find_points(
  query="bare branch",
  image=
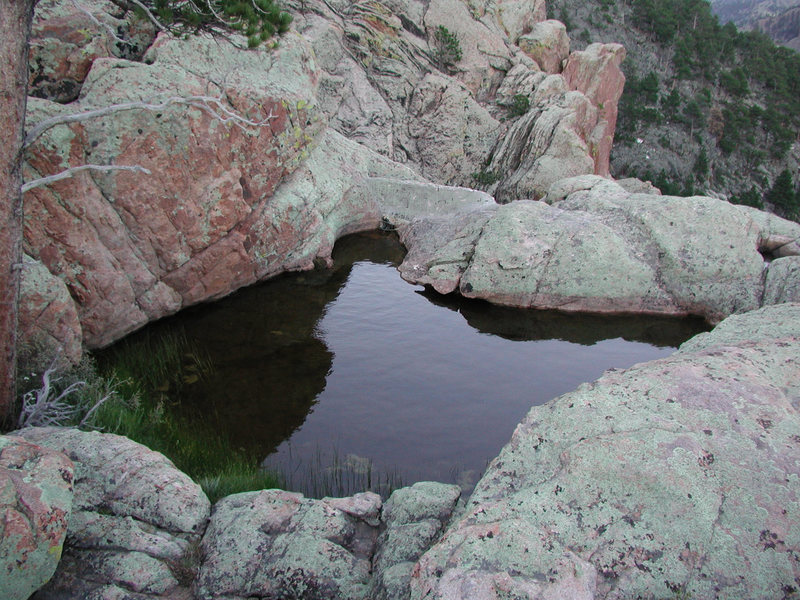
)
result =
(99, 23)
(150, 15)
(213, 12)
(74, 170)
(209, 104)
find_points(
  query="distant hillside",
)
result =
(779, 19)
(784, 28)
(706, 108)
(743, 13)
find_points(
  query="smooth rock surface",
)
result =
(680, 476)
(48, 318)
(35, 503)
(599, 248)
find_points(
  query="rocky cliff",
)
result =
(697, 88)
(354, 90)
(677, 477)
(784, 27)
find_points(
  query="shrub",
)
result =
(782, 195)
(258, 19)
(519, 105)
(750, 197)
(133, 396)
(485, 177)
(446, 48)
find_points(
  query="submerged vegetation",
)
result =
(133, 393)
(134, 390)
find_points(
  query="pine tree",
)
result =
(258, 19)
(782, 195)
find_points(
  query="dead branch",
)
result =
(74, 170)
(150, 15)
(208, 104)
(99, 23)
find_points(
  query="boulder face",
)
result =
(35, 504)
(602, 249)
(675, 477)
(211, 217)
(548, 44)
(277, 544)
(184, 233)
(67, 37)
(136, 520)
(596, 73)
(48, 318)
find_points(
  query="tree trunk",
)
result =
(15, 27)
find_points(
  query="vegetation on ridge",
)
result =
(259, 20)
(705, 106)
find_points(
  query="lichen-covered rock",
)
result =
(451, 132)
(413, 517)
(783, 281)
(602, 249)
(320, 202)
(67, 37)
(532, 255)
(547, 144)
(184, 233)
(211, 216)
(278, 544)
(485, 51)
(548, 44)
(675, 477)
(35, 503)
(136, 519)
(48, 319)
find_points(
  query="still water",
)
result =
(353, 369)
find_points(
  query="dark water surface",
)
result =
(353, 366)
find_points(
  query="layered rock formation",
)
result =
(226, 205)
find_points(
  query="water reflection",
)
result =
(353, 367)
(522, 324)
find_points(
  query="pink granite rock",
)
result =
(35, 503)
(67, 37)
(134, 247)
(596, 73)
